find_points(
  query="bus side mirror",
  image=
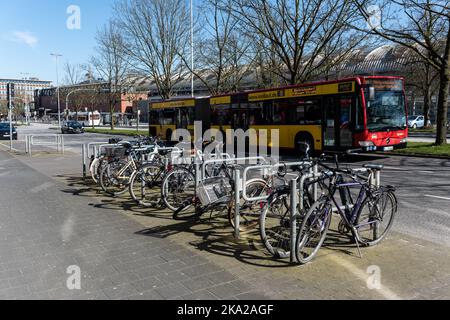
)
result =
(372, 94)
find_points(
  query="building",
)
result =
(24, 88)
(87, 96)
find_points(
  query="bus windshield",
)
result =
(386, 112)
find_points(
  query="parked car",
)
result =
(72, 127)
(415, 122)
(5, 131)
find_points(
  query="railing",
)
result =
(33, 140)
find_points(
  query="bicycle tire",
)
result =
(249, 211)
(110, 184)
(148, 194)
(177, 186)
(318, 219)
(388, 201)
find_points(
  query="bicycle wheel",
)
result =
(313, 230)
(113, 179)
(275, 224)
(250, 211)
(145, 185)
(94, 169)
(178, 186)
(376, 217)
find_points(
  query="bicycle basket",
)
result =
(115, 152)
(214, 190)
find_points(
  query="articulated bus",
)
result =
(360, 112)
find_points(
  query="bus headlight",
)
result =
(404, 141)
(366, 144)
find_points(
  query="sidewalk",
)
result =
(129, 252)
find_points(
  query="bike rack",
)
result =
(30, 142)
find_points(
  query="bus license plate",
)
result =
(388, 148)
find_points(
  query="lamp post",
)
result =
(57, 55)
(26, 100)
(192, 48)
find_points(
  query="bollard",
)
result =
(293, 215)
(237, 204)
(83, 155)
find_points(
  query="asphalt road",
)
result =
(423, 186)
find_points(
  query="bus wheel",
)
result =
(169, 135)
(302, 138)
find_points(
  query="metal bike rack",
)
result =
(86, 153)
(30, 141)
(229, 160)
(272, 169)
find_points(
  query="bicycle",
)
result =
(368, 219)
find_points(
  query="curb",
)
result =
(414, 155)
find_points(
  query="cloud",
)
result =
(24, 37)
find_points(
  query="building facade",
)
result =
(24, 88)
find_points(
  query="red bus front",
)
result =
(385, 114)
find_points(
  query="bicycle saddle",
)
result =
(374, 166)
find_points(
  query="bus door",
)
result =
(338, 122)
(331, 124)
(344, 107)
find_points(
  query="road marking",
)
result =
(436, 197)
(395, 168)
(8, 147)
(42, 187)
(427, 172)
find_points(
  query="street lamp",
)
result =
(57, 55)
(192, 48)
(26, 100)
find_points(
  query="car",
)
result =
(72, 127)
(5, 131)
(415, 122)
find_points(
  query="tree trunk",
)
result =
(441, 133)
(427, 105)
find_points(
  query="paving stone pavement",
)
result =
(50, 220)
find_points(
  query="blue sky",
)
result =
(30, 30)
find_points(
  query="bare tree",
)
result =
(303, 35)
(156, 33)
(3, 109)
(426, 31)
(74, 74)
(422, 76)
(223, 53)
(112, 64)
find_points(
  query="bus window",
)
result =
(256, 114)
(281, 112)
(168, 117)
(308, 112)
(154, 117)
(221, 115)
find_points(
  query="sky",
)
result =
(32, 29)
